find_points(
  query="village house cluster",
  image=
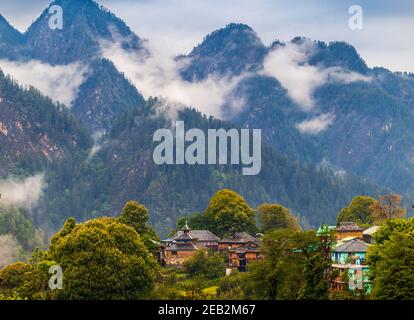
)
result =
(242, 247)
(347, 252)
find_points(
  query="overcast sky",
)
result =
(385, 40)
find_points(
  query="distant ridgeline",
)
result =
(369, 140)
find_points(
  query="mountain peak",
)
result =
(8, 34)
(339, 54)
(85, 22)
(231, 50)
(226, 38)
(10, 40)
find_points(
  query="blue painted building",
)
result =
(348, 258)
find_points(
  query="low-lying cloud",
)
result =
(316, 124)
(60, 83)
(288, 64)
(8, 250)
(158, 74)
(21, 193)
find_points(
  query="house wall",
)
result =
(344, 234)
(225, 245)
(342, 257)
(209, 244)
(179, 258)
(235, 260)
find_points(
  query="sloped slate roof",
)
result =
(248, 247)
(201, 235)
(245, 249)
(354, 245)
(349, 226)
(185, 247)
(240, 237)
(184, 236)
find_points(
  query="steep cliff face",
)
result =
(104, 95)
(33, 129)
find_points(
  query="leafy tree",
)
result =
(276, 216)
(388, 207)
(197, 221)
(293, 267)
(358, 211)
(12, 276)
(14, 296)
(315, 285)
(136, 216)
(103, 259)
(205, 264)
(391, 260)
(27, 281)
(14, 222)
(234, 287)
(229, 213)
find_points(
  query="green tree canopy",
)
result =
(293, 267)
(196, 221)
(276, 216)
(358, 211)
(136, 215)
(103, 259)
(391, 260)
(27, 281)
(229, 213)
(204, 264)
(12, 276)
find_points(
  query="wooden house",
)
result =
(348, 229)
(182, 247)
(242, 248)
(237, 240)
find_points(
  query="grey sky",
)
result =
(386, 40)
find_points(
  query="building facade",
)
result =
(242, 248)
(348, 262)
(179, 249)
